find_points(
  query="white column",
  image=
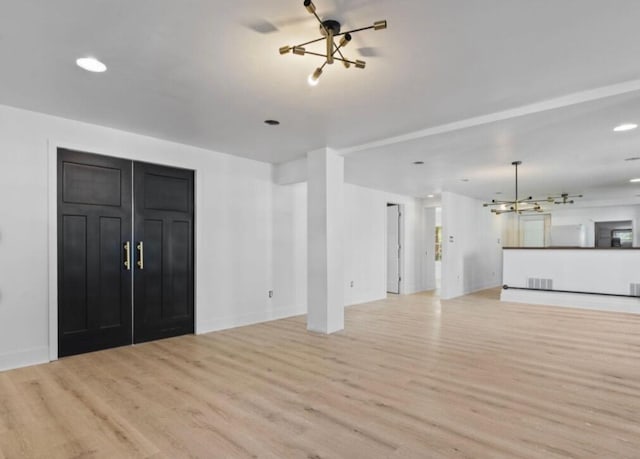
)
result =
(325, 203)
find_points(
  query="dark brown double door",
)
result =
(125, 252)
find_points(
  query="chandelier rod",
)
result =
(355, 30)
(336, 35)
(516, 163)
(310, 42)
(320, 21)
(325, 56)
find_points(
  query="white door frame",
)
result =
(401, 239)
(52, 187)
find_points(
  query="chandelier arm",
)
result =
(302, 45)
(497, 203)
(354, 31)
(321, 23)
(325, 56)
(311, 42)
(338, 51)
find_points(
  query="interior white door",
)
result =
(393, 249)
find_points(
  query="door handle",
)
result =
(140, 248)
(127, 255)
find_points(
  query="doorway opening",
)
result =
(438, 249)
(614, 234)
(394, 248)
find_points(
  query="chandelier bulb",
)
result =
(285, 49)
(299, 50)
(314, 78)
(360, 64)
(380, 25)
(346, 38)
(311, 8)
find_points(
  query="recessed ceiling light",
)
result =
(430, 196)
(635, 180)
(633, 158)
(417, 163)
(272, 122)
(91, 64)
(625, 127)
(464, 180)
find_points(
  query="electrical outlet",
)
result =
(270, 293)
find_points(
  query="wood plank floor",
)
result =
(409, 377)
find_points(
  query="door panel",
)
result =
(110, 269)
(94, 222)
(74, 274)
(163, 285)
(92, 185)
(180, 259)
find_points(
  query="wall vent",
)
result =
(536, 283)
(634, 289)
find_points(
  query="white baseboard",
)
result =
(24, 358)
(225, 323)
(573, 300)
(368, 296)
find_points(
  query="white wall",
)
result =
(290, 247)
(472, 249)
(587, 216)
(364, 245)
(250, 233)
(233, 227)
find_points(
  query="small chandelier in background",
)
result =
(330, 29)
(564, 198)
(526, 205)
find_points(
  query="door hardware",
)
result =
(140, 248)
(127, 255)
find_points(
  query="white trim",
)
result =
(52, 150)
(228, 322)
(573, 300)
(24, 358)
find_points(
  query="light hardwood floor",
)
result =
(409, 377)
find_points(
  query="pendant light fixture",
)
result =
(519, 206)
(564, 198)
(330, 31)
(529, 204)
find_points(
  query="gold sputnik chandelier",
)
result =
(528, 204)
(330, 30)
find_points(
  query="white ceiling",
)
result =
(199, 72)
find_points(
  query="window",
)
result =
(622, 238)
(438, 243)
